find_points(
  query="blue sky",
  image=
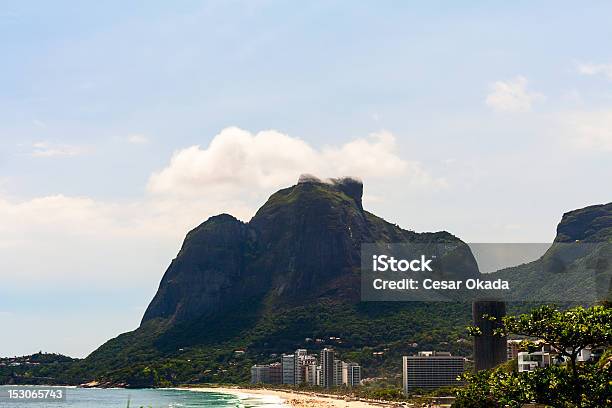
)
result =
(486, 120)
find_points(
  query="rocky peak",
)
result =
(303, 244)
(590, 224)
(351, 186)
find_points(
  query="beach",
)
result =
(298, 398)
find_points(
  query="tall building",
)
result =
(319, 376)
(337, 372)
(260, 374)
(431, 370)
(288, 365)
(303, 368)
(345, 373)
(327, 367)
(302, 362)
(276, 373)
(351, 374)
(489, 349)
(310, 374)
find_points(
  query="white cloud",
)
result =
(46, 149)
(74, 241)
(237, 159)
(595, 69)
(137, 139)
(512, 96)
(591, 130)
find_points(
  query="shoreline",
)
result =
(291, 398)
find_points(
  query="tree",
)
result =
(568, 332)
(566, 385)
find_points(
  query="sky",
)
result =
(125, 125)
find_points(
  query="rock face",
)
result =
(578, 265)
(589, 224)
(303, 243)
(290, 275)
(208, 272)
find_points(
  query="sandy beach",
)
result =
(298, 399)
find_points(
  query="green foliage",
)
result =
(553, 386)
(363, 329)
(39, 368)
(386, 394)
(570, 385)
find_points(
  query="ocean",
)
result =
(146, 398)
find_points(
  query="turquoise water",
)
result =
(159, 398)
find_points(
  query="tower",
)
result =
(489, 350)
(327, 367)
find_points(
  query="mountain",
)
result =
(268, 286)
(590, 224)
(303, 244)
(578, 265)
(240, 293)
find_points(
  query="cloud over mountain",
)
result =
(237, 159)
(235, 173)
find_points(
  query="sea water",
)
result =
(153, 398)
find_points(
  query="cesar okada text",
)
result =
(385, 263)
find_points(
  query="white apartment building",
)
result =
(351, 374)
(303, 361)
(531, 361)
(430, 369)
(310, 374)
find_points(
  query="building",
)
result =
(337, 372)
(531, 361)
(260, 374)
(310, 374)
(351, 374)
(490, 350)
(429, 370)
(288, 367)
(301, 364)
(589, 354)
(345, 373)
(512, 349)
(303, 368)
(276, 373)
(327, 368)
(319, 376)
(547, 355)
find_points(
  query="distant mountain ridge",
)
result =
(589, 224)
(578, 265)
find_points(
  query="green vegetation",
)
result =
(244, 293)
(287, 279)
(39, 368)
(375, 335)
(571, 384)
